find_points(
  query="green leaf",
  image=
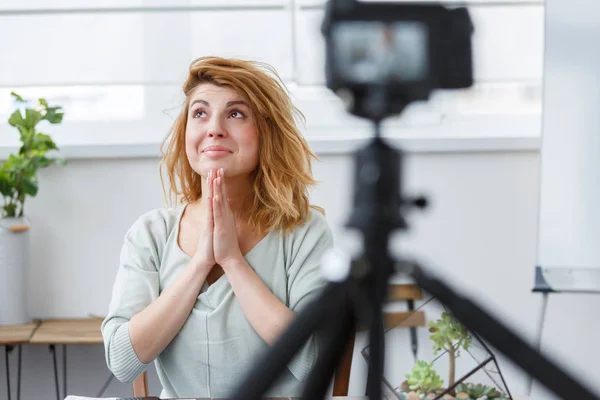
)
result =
(6, 183)
(16, 119)
(54, 115)
(18, 98)
(45, 142)
(43, 102)
(15, 163)
(28, 186)
(32, 117)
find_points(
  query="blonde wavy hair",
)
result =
(279, 199)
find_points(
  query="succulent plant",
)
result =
(476, 391)
(423, 378)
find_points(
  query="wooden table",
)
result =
(65, 332)
(10, 336)
(68, 331)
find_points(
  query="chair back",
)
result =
(140, 386)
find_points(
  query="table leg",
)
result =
(64, 346)
(20, 347)
(53, 350)
(7, 349)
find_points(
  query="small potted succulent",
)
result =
(466, 391)
(423, 382)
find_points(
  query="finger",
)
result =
(220, 183)
(209, 203)
(209, 180)
(223, 184)
(222, 190)
(217, 212)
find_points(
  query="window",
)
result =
(117, 68)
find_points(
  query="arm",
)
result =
(153, 328)
(141, 321)
(265, 312)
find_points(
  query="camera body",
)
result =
(381, 56)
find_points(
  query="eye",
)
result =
(237, 114)
(198, 113)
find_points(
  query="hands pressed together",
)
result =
(218, 242)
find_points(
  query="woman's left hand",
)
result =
(226, 247)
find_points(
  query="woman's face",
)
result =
(220, 132)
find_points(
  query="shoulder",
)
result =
(147, 236)
(150, 232)
(314, 225)
(314, 232)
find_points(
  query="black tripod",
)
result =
(360, 295)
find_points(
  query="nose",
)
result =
(215, 128)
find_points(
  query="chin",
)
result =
(205, 167)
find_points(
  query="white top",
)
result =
(215, 348)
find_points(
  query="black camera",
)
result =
(381, 56)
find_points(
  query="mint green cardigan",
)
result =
(216, 347)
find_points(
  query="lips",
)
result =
(216, 149)
(216, 152)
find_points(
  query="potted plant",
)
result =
(423, 382)
(18, 181)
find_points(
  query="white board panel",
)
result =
(569, 219)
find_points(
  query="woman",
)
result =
(204, 288)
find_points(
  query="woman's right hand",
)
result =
(204, 256)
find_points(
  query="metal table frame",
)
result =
(8, 348)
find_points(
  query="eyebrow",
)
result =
(229, 104)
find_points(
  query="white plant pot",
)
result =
(14, 255)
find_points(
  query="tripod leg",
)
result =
(376, 351)
(274, 361)
(335, 336)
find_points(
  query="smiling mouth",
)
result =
(216, 152)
